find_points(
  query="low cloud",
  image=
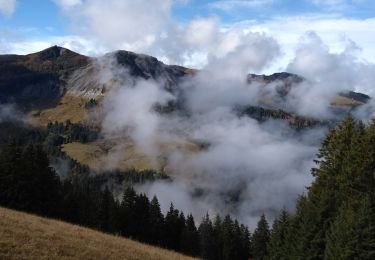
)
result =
(10, 112)
(247, 168)
(243, 167)
(237, 165)
(326, 74)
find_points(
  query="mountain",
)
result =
(60, 85)
(59, 78)
(37, 79)
(41, 79)
(25, 236)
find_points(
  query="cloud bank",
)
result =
(242, 166)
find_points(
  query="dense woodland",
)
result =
(263, 114)
(335, 219)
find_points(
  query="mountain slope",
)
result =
(24, 236)
(37, 79)
(59, 79)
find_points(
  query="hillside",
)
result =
(25, 236)
(39, 79)
(57, 84)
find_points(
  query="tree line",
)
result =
(28, 183)
(334, 219)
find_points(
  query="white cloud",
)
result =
(201, 32)
(66, 4)
(131, 26)
(334, 31)
(338, 5)
(13, 44)
(121, 24)
(228, 5)
(327, 73)
(7, 7)
(328, 2)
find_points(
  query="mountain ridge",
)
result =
(59, 78)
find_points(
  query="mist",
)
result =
(247, 168)
(10, 112)
(238, 165)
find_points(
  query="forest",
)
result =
(333, 219)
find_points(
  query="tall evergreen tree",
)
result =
(207, 239)
(108, 211)
(228, 229)
(127, 216)
(190, 238)
(172, 228)
(27, 181)
(218, 235)
(156, 223)
(352, 234)
(279, 239)
(260, 239)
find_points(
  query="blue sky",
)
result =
(43, 17)
(92, 27)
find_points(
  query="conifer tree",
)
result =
(229, 250)
(156, 223)
(190, 237)
(207, 239)
(218, 234)
(352, 234)
(127, 215)
(141, 217)
(279, 239)
(172, 228)
(260, 239)
(108, 211)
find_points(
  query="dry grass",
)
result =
(104, 154)
(101, 156)
(24, 236)
(345, 101)
(70, 107)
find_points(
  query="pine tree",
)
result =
(260, 239)
(338, 161)
(352, 234)
(245, 242)
(108, 210)
(190, 238)
(230, 250)
(156, 223)
(218, 235)
(127, 215)
(279, 239)
(27, 181)
(172, 228)
(207, 239)
(141, 218)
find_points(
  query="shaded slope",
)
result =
(24, 236)
(37, 79)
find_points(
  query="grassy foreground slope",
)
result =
(25, 236)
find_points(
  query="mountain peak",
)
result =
(54, 52)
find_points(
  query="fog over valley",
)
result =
(231, 139)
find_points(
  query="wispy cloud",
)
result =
(228, 5)
(338, 5)
(7, 7)
(66, 4)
